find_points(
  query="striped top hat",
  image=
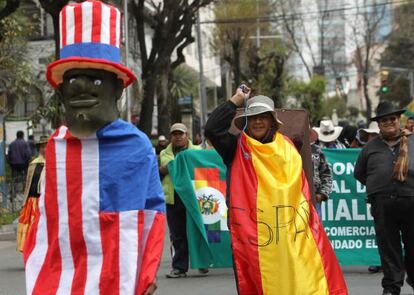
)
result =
(90, 38)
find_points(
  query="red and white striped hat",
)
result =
(90, 38)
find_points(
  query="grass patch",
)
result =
(7, 217)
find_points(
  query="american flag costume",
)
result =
(101, 222)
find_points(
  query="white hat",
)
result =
(162, 138)
(372, 128)
(327, 132)
(257, 105)
(363, 132)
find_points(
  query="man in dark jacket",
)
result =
(385, 166)
(19, 155)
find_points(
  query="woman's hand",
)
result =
(240, 95)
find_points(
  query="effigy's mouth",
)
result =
(83, 103)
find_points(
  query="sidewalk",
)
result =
(7, 232)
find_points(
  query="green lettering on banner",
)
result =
(346, 216)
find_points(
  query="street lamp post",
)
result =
(203, 96)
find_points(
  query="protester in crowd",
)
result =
(18, 156)
(161, 144)
(328, 135)
(385, 167)
(176, 213)
(101, 221)
(409, 125)
(348, 135)
(365, 135)
(265, 176)
(30, 207)
(322, 174)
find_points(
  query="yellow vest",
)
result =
(166, 156)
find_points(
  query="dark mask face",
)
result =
(89, 97)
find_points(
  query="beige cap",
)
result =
(162, 138)
(178, 127)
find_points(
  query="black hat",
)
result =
(386, 108)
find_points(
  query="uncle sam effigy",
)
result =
(100, 226)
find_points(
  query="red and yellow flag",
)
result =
(279, 244)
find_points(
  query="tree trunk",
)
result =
(366, 96)
(164, 103)
(56, 36)
(236, 67)
(147, 106)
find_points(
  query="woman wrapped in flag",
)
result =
(100, 227)
(278, 243)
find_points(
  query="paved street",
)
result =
(219, 281)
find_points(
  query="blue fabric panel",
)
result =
(128, 170)
(92, 50)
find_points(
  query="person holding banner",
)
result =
(385, 166)
(278, 242)
(322, 174)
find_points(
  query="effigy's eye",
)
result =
(72, 80)
(97, 82)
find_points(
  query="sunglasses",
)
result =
(388, 119)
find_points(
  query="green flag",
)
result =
(346, 216)
(199, 178)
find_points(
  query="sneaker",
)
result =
(203, 271)
(176, 273)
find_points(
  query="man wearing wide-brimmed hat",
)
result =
(365, 135)
(266, 189)
(101, 220)
(328, 135)
(386, 166)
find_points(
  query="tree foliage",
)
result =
(16, 76)
(232, 34)
(365, 32)
(310, 96)
(238, 41)
(400, 91)
(400, 50)
(335, 103)
(171, 23)
(184, 82)
(7, 7)
(267, 71)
